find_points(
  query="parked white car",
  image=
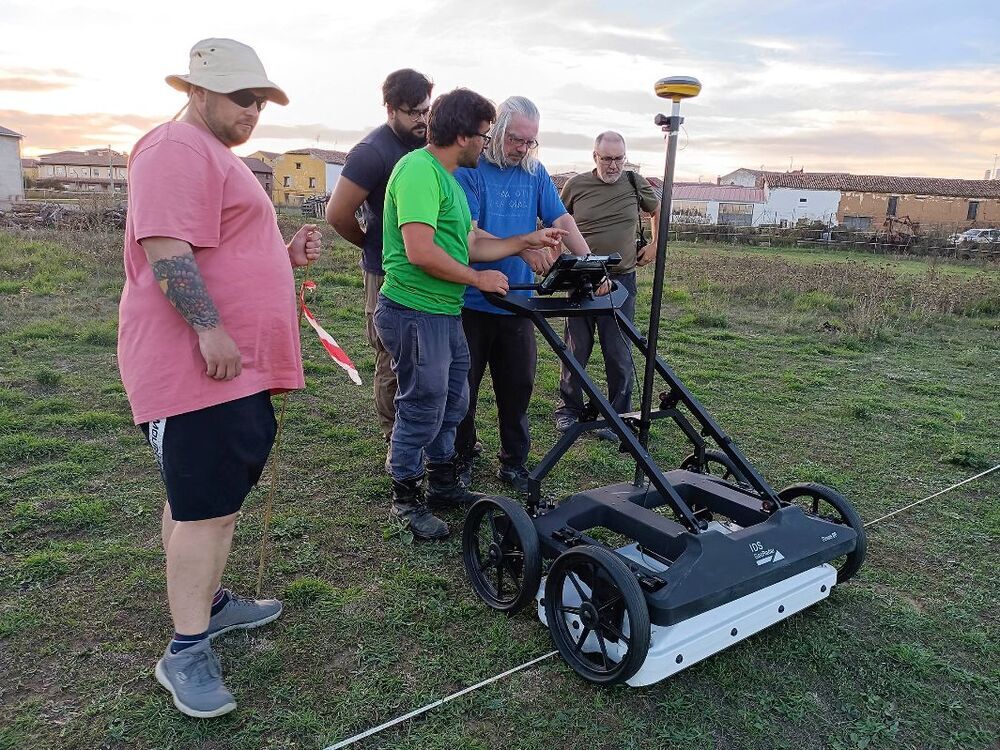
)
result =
(976, 237)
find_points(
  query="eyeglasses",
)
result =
(486, 138)
(416, 114)
(245, 97)
(518, 142)
(606, 160)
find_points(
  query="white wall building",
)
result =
(718, 204)
(742, 177)
(11, 178)
(786, 200)
(332, 175)
(706, 203)
(788, 206)
(98, 169)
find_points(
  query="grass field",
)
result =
(875, 376)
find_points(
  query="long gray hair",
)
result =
(515, 105)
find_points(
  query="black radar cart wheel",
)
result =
(597, 614)
(717, 464)
(828, 504)
(501, 553)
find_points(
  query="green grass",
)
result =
(874, 375)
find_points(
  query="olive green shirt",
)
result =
(607, 214)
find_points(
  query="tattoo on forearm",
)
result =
(181, 281)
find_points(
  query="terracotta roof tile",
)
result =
(330, 157)
(561, 178)
(83, 159)
(256, 165)
(860, 183)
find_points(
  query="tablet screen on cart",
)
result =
(574, 272)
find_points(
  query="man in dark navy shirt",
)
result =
(509, 192)
(407, 97)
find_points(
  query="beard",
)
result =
(236, 135)
(513, 161)
(230, 133)
(608, 178)
(415, 137)
(469, 158)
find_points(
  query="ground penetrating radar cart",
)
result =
(735, 557)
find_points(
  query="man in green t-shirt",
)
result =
(426, 248)
(605, 203)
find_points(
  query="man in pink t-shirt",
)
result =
(208, 329)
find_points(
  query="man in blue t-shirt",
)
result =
(407, 97)
(509, 192)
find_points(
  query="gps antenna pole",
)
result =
(675, 89)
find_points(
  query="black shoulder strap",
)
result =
(639, 232)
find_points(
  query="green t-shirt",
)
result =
(607, 214)
(421, 190)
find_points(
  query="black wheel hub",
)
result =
(495, 554)
(589, 615)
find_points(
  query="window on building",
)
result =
(803, 200)
(890, 210)
(739, 214)
(858, 223)
(286, 181)
(973, 210)
(689, 212)
(298, 165)
(312, 182)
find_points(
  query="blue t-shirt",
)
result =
(507, 201)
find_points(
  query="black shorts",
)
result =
(210, 459)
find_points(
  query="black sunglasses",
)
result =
(245, 97)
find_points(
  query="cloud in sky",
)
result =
(325, 133)
(818, 83)
(54, 132)
(14, 83)
(35, 79)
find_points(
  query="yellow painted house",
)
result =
(268, 157)
(305, 172)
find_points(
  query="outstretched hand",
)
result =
(306, 246)
(542, 238)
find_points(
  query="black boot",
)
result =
(464, 463)
(408, 505)
(444, 488)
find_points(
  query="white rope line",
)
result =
(930, 497)
(435, 704)
(460, 693)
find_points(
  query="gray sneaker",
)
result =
(606, 433)
(194, 678)
(241, 613)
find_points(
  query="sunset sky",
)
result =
(878, 87)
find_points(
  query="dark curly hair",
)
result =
(459, 112)
(407, 88)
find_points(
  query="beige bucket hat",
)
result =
(224, 66)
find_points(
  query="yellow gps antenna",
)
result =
(674, 88)
(677, 88)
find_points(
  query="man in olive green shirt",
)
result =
(426, 247)
(605, 203)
